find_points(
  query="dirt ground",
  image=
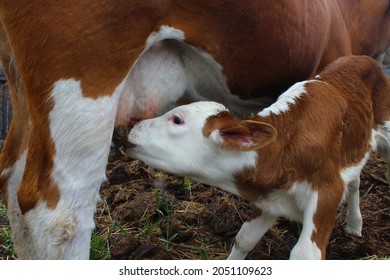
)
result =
(147, 214)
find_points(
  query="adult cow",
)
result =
(70, 63)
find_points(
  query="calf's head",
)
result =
(201, 140)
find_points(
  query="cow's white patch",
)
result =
(81, 130)
(287, 99)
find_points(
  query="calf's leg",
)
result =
(319, 214)
(354, 217)
(250, 234)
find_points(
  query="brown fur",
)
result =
(230, 129)
(20, 127)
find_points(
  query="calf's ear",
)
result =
(244, 135)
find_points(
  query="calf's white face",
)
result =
(174, 142)
(177, 143)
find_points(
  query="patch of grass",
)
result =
(164, 209)
(6, 243)
(3, 211)
(169, 239)
(187, 183)
(121, 229)
(203, 251)
(6, 238)
(163, 205)
(100, 248)
(149, 229)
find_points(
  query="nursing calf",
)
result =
(296, 159)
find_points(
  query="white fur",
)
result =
(383, 144)
(351, 178)
(250, 234)
(21, 234)
(287, 99)
(183, 149)
(307, 200)
(81, 129)
(354, 217)
(165, 32)
(299, 203)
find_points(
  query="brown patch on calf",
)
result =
(255, 213)
(243, 135)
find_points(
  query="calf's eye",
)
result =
(177, 120)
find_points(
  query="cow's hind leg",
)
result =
(13, 154)
(10, 180)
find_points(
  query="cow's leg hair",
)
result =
(81, 130)
(250, 234)
(13, 154)
(22, 240)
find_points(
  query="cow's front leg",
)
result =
(65, 167)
